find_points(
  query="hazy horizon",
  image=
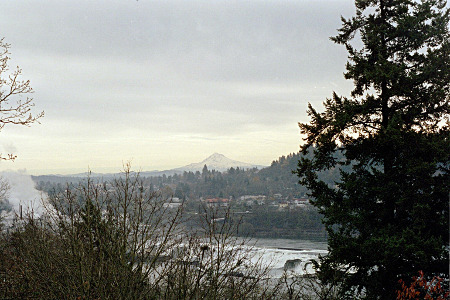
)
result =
(76, 171)
(167, 83)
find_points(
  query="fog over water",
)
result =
(22, 191)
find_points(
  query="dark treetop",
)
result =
(387, 218)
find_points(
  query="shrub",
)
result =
(116, 240)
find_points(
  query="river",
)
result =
(293, 256)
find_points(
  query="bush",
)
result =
(420, 288)
(116, 240)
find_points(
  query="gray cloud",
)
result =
(10, 148)
(105, 70)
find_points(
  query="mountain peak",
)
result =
(218, 162)
(215, 154)
(215, 157)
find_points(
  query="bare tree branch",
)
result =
(14, 109)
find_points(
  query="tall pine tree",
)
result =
(388, 217)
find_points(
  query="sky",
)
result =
(167, 83)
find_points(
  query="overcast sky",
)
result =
(167, 83)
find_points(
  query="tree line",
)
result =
(387, 216)
(278, 178)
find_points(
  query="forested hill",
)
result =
(278, 178)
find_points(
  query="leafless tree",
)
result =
(308, 286)
(118, 240)
(15, 104)
(4, 189)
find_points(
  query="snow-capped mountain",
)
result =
(218, 162)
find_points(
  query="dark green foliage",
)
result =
(28, 270)
(298, 223)
(387, 217)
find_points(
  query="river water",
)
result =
(293, 256)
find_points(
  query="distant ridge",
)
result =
(216, 161)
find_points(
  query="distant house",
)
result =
(249, 200)
(172, 205)
(217, 202)
(278, 196)
(301, 202)
(283, 205)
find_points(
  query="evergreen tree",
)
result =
(387, 217)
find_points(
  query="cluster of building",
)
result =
(276, 201)
(216, 202)
(258, 200)
(173, 203)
